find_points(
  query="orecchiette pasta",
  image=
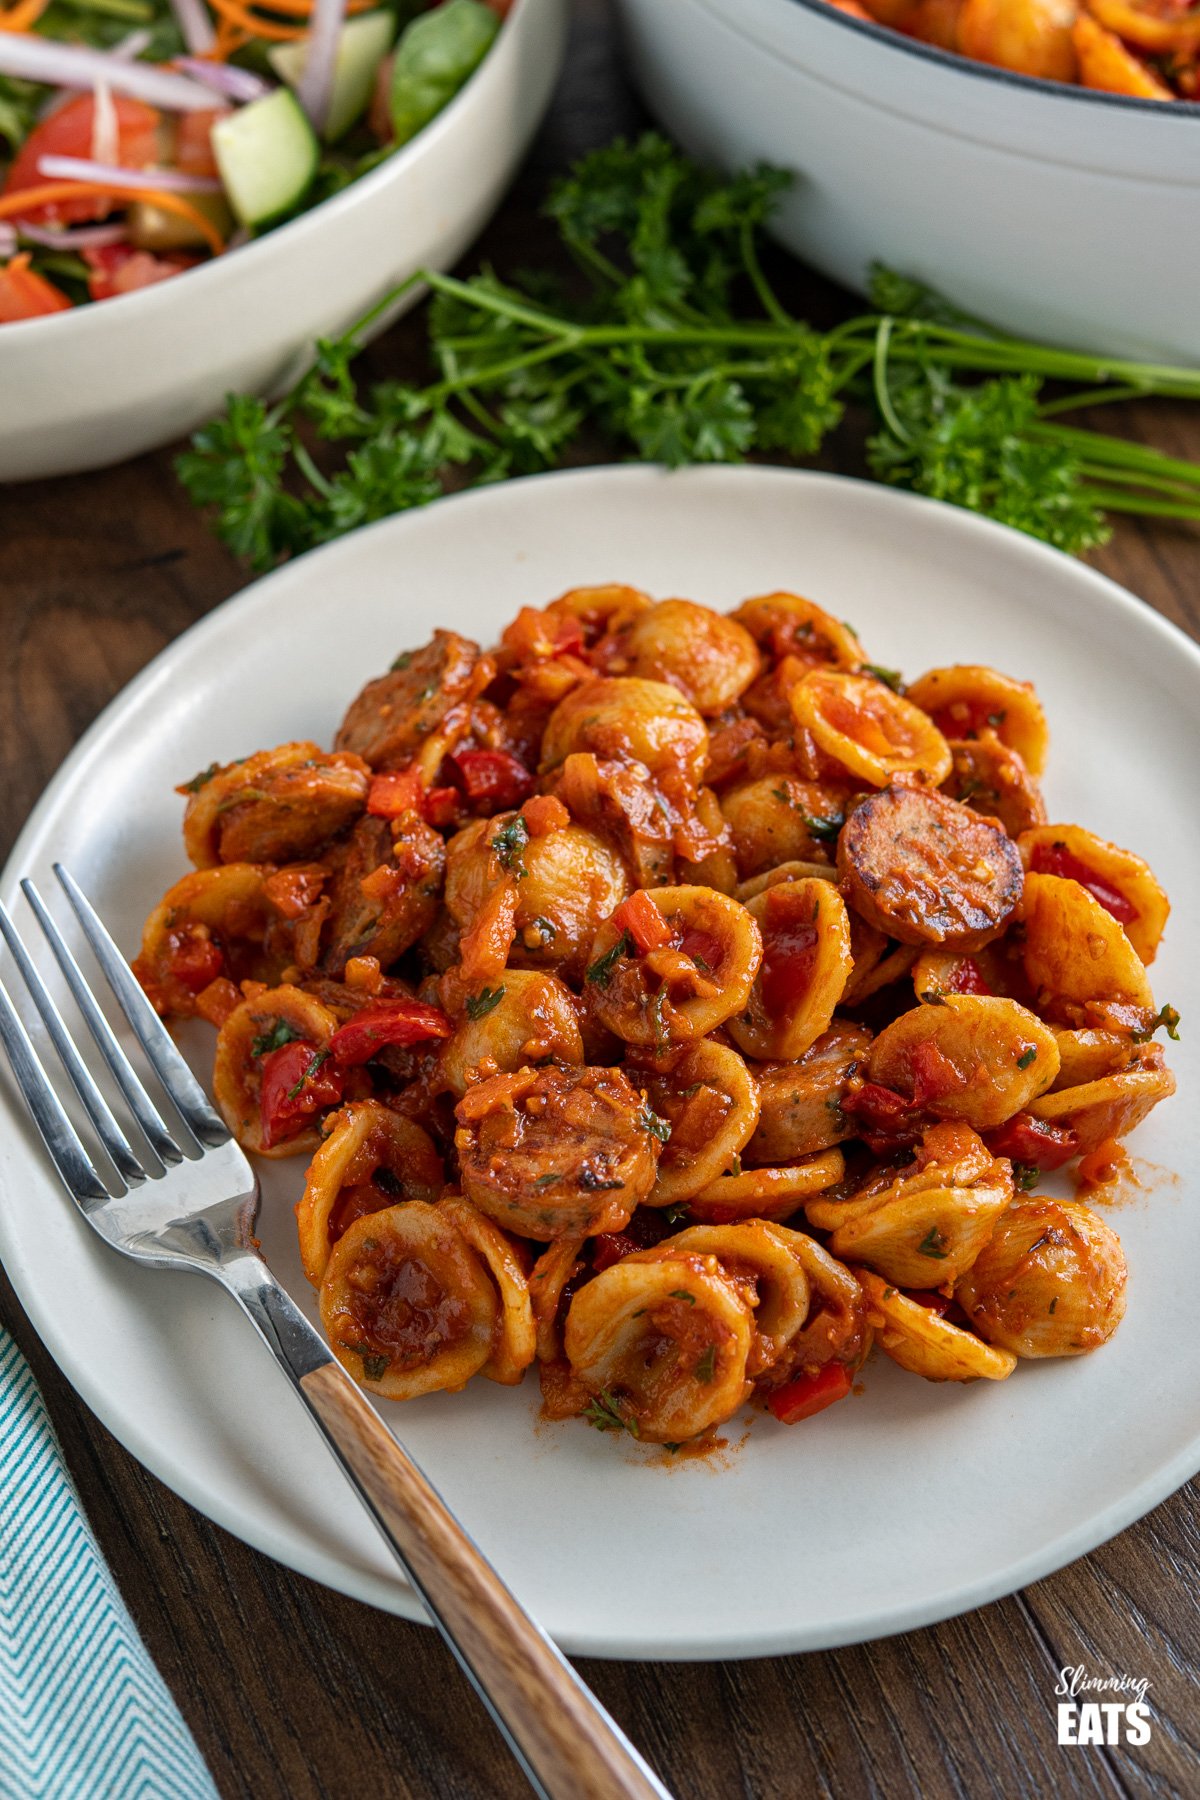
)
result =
(806, 964)
(678, 1001)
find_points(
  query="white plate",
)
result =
(899, 1507)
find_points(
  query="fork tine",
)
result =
(98, 1110)
(137, 1099)
(57, 1132)
(188, 1096)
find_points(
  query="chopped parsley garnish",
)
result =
(402, 661)
(482, 1003)
(1026, 1057)
(545, 1181)
(932, 997)
(932, 1244)
(201, 780)
(601, 971)
(652, 1122)
(281, 1033)
(677, 1216)
(604, 1412)
(706, 1367)
(1053, 1303)
(669, 257)
(682, 1294)
(509, 843)
(889, 677)
(690, 1092)
(1025, 1176)
(319, 1057)
(1166, 1015)
(375, 1366)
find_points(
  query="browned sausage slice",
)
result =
(926, 870)
(553, 1153)
(388, 721)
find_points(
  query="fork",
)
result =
(191, 1204)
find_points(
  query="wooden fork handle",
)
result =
(568, 1746)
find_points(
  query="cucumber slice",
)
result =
(267, 154)
(362, 46)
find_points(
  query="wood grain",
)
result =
(563, 1737)
(295, 1693)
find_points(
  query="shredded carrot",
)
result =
(15, 205)
(23, 16)
(229, 10)
(252, 23)
(226, 39)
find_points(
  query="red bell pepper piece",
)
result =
(1029, 1140)
(968, 979)
(1056, 859)
(193, 958)
(930, 1299)
(932, 1074)
(493, 780)
(810, 1394)
(789, 949)
(642, 920)
(386, 1022)
(704, 950)
(398, 791)
(297, 1081)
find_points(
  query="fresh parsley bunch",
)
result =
(674, 344)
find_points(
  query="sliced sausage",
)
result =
(388, 721)
(554, 1152)
(927, 870)
(992, 779)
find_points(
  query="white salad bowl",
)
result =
(1052, 211)
(85, 388)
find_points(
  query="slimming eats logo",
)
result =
(1102, 1709)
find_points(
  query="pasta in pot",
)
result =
(578, 969)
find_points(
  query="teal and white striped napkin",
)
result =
(84, 1713)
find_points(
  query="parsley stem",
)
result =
(762, 287)
(880, 381)
(1116, 501)
(1098, 446)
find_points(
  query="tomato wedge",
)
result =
(810, 1394)
(24, 294)
(297, 1080)
(120, 269)
(68, 132)
(386, 1022)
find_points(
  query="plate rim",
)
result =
(396, 1596)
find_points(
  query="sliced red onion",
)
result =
(34, 58)
(314, 90)
(8, 240)
(84, 237)
(162, 181)
(130, 46)
(195, 26)
(106, 136)
(225, 78)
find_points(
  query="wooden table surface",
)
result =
(294, 1692)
